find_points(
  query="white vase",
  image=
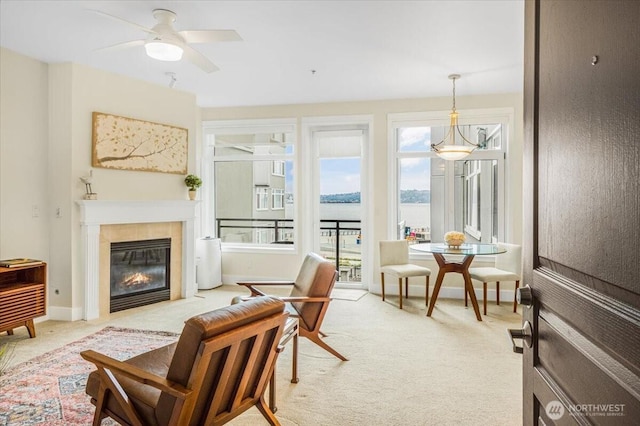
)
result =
(192, 195)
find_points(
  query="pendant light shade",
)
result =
(453, 152)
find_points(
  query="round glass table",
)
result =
(468, 251)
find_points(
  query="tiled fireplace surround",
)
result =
(104, 222)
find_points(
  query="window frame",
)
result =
(503, 116)
(262, 198)
(277, 193)
(278, 168)
(471, 193)
(248, 126)
(260, 235)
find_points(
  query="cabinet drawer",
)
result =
(21, 302)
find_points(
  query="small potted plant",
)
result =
(193, 182)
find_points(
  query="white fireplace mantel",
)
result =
(94, 213)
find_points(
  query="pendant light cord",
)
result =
(454, 95)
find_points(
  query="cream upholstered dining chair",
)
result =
(394, 261)
(508, 267)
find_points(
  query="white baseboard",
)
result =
(62, 313)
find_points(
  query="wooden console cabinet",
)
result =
(22, 297)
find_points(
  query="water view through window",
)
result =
(340, 215)
(436, 196)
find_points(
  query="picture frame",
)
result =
(125, 143)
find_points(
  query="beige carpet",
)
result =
(404, 368)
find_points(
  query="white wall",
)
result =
(46, 147)
(23, 157)
(286, 266)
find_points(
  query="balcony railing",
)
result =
(340, 240)
(278, 227)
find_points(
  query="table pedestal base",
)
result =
(461, 268)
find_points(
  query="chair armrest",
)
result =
(255, 292)
(136, 373)
(305, 299)
(252, 283)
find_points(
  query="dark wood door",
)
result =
(582, 222)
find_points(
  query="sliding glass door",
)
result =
(338, 201)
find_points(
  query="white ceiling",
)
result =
(361, 50)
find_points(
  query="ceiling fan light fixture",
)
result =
(165, 43)
(163, 51)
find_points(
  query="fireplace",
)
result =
(103, 222)
(139, 273)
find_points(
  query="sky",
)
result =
(342, 175)
(339, 175)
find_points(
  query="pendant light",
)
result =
(452, 151)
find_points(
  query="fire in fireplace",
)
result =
(139, 273)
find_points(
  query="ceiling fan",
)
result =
(166, 44)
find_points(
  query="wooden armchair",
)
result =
(219, 368)
(309, 298)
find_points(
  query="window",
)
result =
(278, 168)
(472, 200)
(262, 236)
(250, 166)
(262, 198)
(277, 198)
(431, 196)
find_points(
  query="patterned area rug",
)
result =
(49, 389)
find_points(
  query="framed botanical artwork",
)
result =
(129, 144)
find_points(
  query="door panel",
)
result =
(585, 143)
(585, 351)
(582, 224)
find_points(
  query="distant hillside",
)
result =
(410, 196)
(350, 197)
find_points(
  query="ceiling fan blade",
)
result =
(198, 59)
(133, 24)
(121, 46)
(209, 36)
